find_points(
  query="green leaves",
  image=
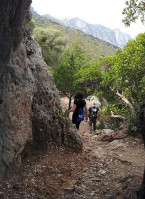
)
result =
(127, 73)
(69, 64)
(32, 25)
(133, 11)
(119, 79)
(51, 42)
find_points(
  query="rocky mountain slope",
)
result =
(93, 46)
(115, 37)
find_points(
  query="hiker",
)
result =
(93, 115)
(77, 109)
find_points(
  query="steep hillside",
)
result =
(94, 46)
(115, 37)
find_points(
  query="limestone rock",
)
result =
(29, 100)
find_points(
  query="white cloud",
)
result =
(104, 12)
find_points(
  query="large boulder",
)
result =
(29, 100)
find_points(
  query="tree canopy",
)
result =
(32, 25)
(119, 79)
(51, 42)
(69, 63)
(122, 79)
(134, 9)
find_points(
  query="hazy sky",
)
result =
(104, 12)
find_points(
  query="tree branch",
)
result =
(65, 94)
(126, 101)
(117, 116)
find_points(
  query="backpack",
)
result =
(80, 116)
(93, 112)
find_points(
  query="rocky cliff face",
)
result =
(29, 101)
(122, 38)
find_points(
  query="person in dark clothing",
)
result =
(78, 103)
(94, 114)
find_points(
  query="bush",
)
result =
(62, 112)
(100, 125)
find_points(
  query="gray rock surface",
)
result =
(29, 100)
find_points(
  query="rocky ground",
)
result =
(104, 170)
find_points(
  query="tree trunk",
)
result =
(126, 101)
(117, 116)
(69, 106)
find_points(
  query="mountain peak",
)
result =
(76, 23)
(115, 37)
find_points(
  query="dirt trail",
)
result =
(103, 171)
